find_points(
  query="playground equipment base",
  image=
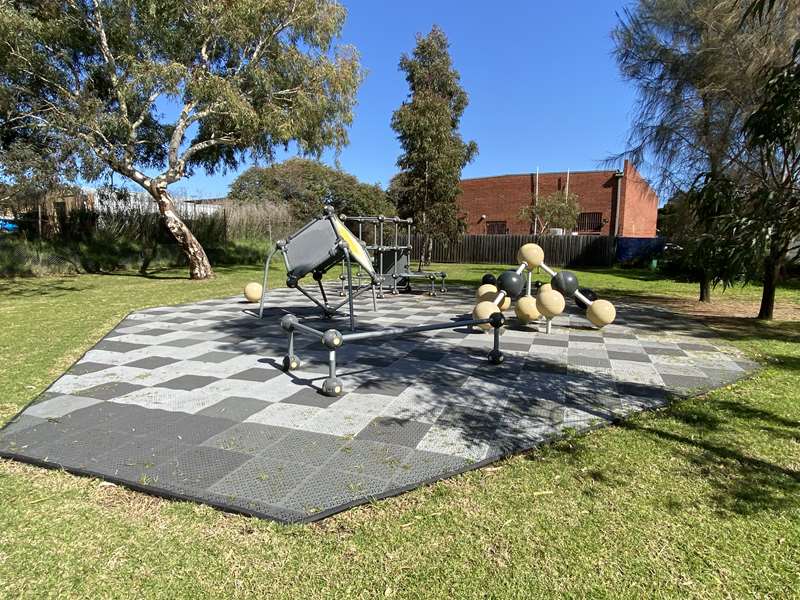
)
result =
(189, 402)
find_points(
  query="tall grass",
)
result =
(124, 236)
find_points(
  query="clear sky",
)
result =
(543, 86)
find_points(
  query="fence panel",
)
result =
(559, 250)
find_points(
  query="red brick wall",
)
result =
(639, 207)
(501, 198)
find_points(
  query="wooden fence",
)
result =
(559, 250)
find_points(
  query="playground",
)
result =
(193, 402)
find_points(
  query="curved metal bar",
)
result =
(264, 285)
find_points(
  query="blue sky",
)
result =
(544, 89)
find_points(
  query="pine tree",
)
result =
(434, 153)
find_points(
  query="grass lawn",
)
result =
(700, 499)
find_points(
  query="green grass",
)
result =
(701, 499)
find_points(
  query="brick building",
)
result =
(617, 203)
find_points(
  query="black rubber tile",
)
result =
(661, 351)
(84, 368)
(544, 365)
(310, 397)
(586, 339)
(263, 480)
(193, 429)
(247, 438)
(197, 468)
(420, 466)
(684, 382)
(629, 356)
(425, 354)
(19, 423)
(215, 357)
(250, 507)
(188, 382)
(31, 441)
(182, 343)
(697, 347)
(109, 391)
(387, 386)
(155, 332)
(306, 447)
(84, 450)
(329, 489)
(114, 346)
(582, 360)
(152, 362)
(235, 408)
(366, 457)
(544, 340)
(136, 460)
(389, 430)
(641, 389)
(256, 374)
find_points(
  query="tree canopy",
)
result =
(434, 153)
(305, 186)
(154, 89)
(701, 69)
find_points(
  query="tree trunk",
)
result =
(199, 266)
(705, 287)
(423, 248)
(772, 270)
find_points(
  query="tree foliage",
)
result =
(700, 68)
(305, 186)
(154, 89)
(434, 153)
(557, 210)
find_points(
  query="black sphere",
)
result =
(489, 278)
(565, 282)
(511, 283)
(589, 294)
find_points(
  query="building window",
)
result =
(496, 227)
(590, 222)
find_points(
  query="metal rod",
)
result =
(324, 308)
(291, 343)
(322, 291)
(547, 270)
(332, 364)
(264, 285)
(548, 326)
(582, 298)
(350, 290)
(355, 294)
(306, 329)
(496, 342)
(499, 298)
(399, 331)
(520, 269)
(530, 282)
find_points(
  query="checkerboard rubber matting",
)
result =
(190, 402)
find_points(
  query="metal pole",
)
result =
(350, 290)
(264, 285)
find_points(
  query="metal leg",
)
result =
(374, 303)
(322, 291)
(350, 291)
(264, 285)
(496, 356)
(290, 361)
(548, 326)
(332, 386)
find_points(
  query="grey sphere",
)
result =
(565, 282)
(511, 283)
(332, 339)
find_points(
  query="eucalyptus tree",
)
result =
(434, 153)
(156, 89)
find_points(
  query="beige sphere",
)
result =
(601, 313)
(252, 291)
(526, 310)
(486, 292)
(530, 254)
(484, 310)
(505, 303)
(545, 287)
(550, 303)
